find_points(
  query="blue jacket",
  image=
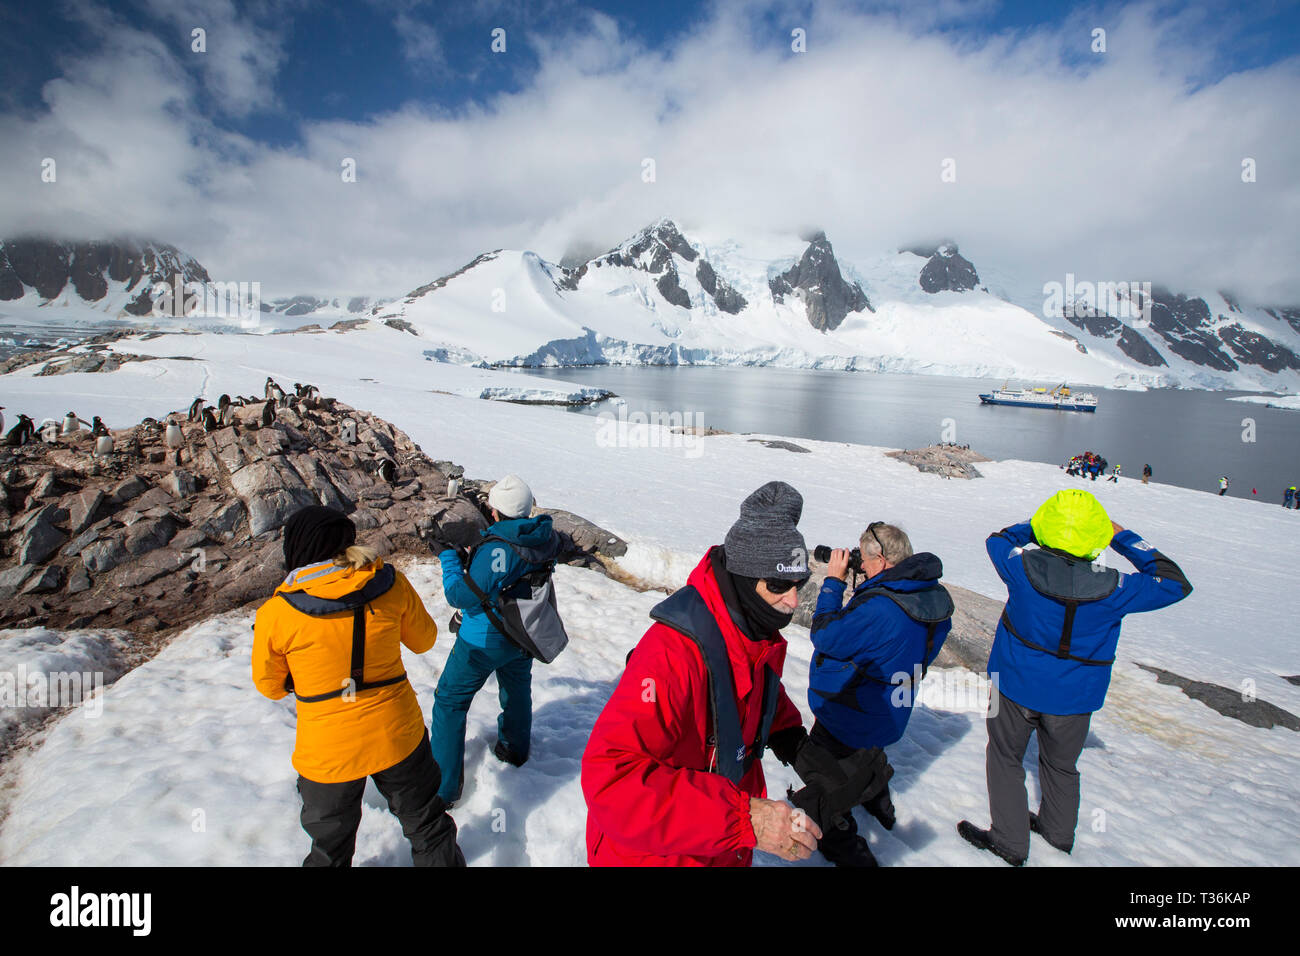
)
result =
(1040, 679)
(494, 567)
(875, 637)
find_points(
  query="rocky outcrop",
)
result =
(817, 281)
(1229, 702)
(1255, 349)
(1185, 324)
(948, 271)
(951, 461)
(140, 541)
(727, 298)
(1135, 346)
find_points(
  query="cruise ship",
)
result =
(1059, 398)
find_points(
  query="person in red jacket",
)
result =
(673, 773)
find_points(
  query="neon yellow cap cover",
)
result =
(1073, 521)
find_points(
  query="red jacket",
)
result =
(651, 800)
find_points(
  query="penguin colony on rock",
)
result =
(212, 419)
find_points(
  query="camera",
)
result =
(822, 553)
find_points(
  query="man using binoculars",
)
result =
(868, 655)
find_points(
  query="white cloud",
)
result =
(1123, 165)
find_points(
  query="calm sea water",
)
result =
(1189, 438)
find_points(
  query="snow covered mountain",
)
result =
(114, 277)
(663, 297)
(103, 282)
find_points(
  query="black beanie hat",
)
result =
(316, 533)
(765, 542)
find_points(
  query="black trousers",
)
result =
(844, 829)
(331, 812)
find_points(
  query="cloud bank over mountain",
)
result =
(1125, 164)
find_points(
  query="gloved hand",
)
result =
(437, 546)
(785, 744)
(833, 787)
(458, 535)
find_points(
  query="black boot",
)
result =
(1033, 825)
(981, 839)
(841, 845)
(506, 755)
(882, 808)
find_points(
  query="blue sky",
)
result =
(353, 61)
(1125, 163)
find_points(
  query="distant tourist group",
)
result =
(1091, 465)
(672, 773)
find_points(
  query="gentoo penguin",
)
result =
(71, 424)
(98, 428)
(223, 402)
(196, 407)
(453, 487)
(274, 393)
(209, 421)
(227, 415)
(21, 433)
(103, 445)
(174, 439)
(268, 414)
(386, 469)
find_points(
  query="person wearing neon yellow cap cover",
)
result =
(1052, 656)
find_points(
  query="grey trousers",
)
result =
(1060, 741)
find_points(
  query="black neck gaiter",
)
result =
(754, 616)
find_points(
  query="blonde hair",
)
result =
(894, 545)
(356, 557)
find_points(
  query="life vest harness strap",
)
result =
(847, 695)
(1063, 649)
(686, 612)
(356, 602)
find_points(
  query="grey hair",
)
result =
(894, 539)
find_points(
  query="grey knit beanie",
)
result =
(764, 542)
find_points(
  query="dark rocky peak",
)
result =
(947, 270)
(49, 265)
(653, 250)
(816, 279)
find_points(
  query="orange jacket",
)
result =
(344, 739)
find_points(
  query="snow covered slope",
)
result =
(210, 364)
(203, 777)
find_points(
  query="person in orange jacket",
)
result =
(331, 635)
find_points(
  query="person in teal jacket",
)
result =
(514, 545)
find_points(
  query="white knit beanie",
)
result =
(511, 497)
